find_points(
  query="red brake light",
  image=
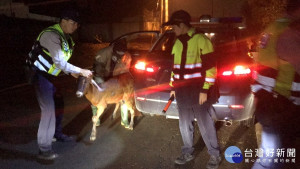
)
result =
(150, 69)
(227, 73)
(142, 66)
(237, 70)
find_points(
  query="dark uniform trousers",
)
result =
(278, 117)
(187, 99)
(51, 104)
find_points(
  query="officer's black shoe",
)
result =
(47, 155)
(184, 158)
(63, 138)
(213, 162)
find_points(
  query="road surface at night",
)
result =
(155, 141)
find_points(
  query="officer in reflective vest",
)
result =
(192, 78)
(277, 88)
(48, 57)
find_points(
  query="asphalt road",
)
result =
(155, 141)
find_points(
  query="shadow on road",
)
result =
(78, 125)
(9, 154)
(81, 125)
(238, 135)
(18, 135)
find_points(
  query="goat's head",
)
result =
(82, 87)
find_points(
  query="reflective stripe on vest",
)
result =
(188, 66)
(45, 62)
(295, 86)
(264, 80)
(295, 100)
(210, 80)
(268, 84)
(190, 76)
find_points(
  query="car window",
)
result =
(165, 43)
(229, 44)
(140, 41)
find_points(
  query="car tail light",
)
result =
(237, 70)
(236, 106)
(227, 73)
(142, 66)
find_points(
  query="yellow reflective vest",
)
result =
(44, 60)
(187, 60)
(272, 73)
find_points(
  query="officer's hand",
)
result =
(172, 93)
(86, 73)
(202, 98)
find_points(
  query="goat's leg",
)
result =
(93, 133)
(94, 120)
(115, 111)
(131, 118)
(94, 111)
(124, 116)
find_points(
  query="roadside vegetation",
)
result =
(259, 14)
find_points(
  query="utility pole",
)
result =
(164, 11)
(161, 14)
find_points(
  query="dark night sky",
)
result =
(96, 10)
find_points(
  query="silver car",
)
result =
(152, 74)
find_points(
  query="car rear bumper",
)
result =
(228, 108)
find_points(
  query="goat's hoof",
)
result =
(130, 127)
(124, 124)
(127, 126)
(92, 138)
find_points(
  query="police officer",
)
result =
(192, 79)
(48, 57)
(112, 61)
(277, 87)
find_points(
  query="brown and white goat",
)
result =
(117, 90)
